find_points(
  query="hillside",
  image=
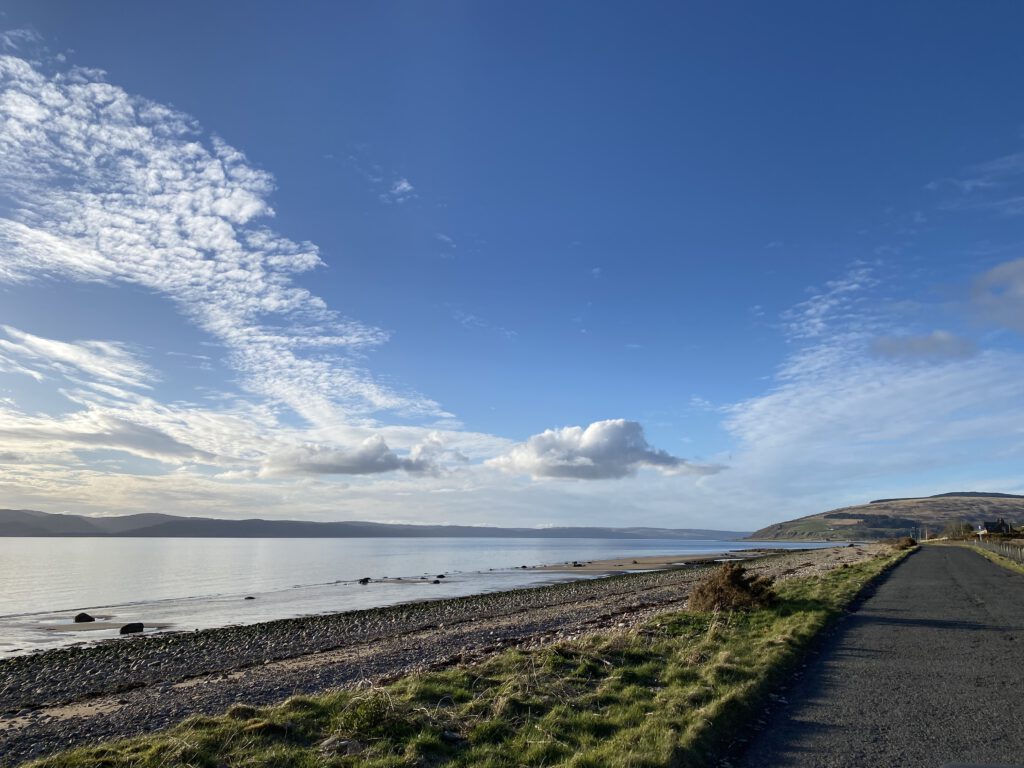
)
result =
(26, 522)
(885, 518)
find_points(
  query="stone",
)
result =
(82, 618)
(365, 580)
(132, 628)
(249, 597)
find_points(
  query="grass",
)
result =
(671, 693)
(996, 558)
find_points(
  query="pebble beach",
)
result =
(61, 698)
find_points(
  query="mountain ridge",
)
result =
(27, 522)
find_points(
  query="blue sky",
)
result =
(509, 263)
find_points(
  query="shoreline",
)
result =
(37, 632)
(659, 562)
(68, 696)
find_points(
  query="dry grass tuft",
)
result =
(731, 588)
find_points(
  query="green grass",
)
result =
(669, 694)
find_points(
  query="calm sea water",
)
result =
(199, 583)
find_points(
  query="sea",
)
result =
(187, 584)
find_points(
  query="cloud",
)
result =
(847, 417)
(475, 322)
(605, 449)
(998, 294)
(937, 345)
(93, 430)
(16, 39)
(986, 186)
(838, 303)
(105, 360)
(400, 191)
(237, 436)
(371, 457)
(114, 188)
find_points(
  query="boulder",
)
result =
(249, 597)
(436, 581)
(82, 618)
(132, 628)
(365, 580)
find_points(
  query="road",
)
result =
(928, 671)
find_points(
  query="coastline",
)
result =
(67, 696)
(655, 562)
(28, 626)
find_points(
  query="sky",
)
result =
(509, 263)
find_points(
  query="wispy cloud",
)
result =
(116, 413)
(475, 322)
(992, 186)
(400, 191)
(858, 405)
(837, 305)
(104, 360)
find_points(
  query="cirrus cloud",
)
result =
(105, 186)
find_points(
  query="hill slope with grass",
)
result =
(890, 518)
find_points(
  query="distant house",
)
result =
(999, 526)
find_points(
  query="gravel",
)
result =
(71, 696)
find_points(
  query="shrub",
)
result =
(731, 588)
(903, 542)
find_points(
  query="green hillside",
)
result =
(887, 518)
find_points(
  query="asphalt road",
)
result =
(928, 671)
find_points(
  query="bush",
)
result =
(903, 542)
(731, 588)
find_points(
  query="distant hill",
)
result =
(886, 518)
(27, 522)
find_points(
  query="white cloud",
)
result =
(605, 449)
(105, 360)
(839, 303)
(112, 411)
(853, 412)
(91, 430)
(114, 188)
(400, 191)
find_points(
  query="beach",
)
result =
(59, 698)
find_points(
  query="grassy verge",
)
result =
(996, 558)
(670, 693)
